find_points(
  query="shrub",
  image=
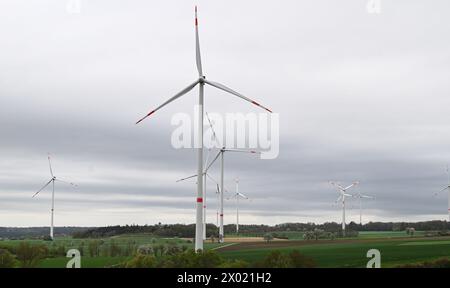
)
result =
(190, 259)
(114, 249)
(268, 237)
(94, 248)
(294, 259)
(275, 259)
(7, 259)
(438, 263)
(299, 260)
(234, 264)
(141, 261)
(29, 255)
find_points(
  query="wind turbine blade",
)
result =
(442, 190)
(242, 195)
(367, 197)
(339, 198)
(46, 184)
(212, 162)
(212, 179)
(226, 89)
(336, 185)
(197, 47)
(242, 151)
(348, 195)
(350, 186)
(182, 179)
(207, 158)
(212, 129)
(50, 165)
(66, 182)
(179, 94)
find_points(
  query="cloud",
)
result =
(360, 97)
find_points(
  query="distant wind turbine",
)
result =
(206, 175)
(360, 199)
(448, 190)
(237, 195)
(222, 158)
(201, 81)
(342, 194)
(52, 181)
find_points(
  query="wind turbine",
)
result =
(222, 158)
(343, 193)
(52, 181)
(360, 199)
(237, 195)
(448, 189)
(201, 81)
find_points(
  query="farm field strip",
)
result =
(344, 253)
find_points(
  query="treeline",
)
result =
(188, 231)
(166, 230)
(435, 225)
(38, 232)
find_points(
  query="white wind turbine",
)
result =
(52, 181)
(360, 199)
(222, 158)
(448, 190)
(342, 194)
(238, 195)
(201, 81)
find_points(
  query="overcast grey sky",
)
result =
(360, 97)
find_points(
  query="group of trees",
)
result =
(188, 231)
(23, 255)
(317, 234)
(210, 259)
(37, 232)
(435, 225)
(161, 230)
(29, 255)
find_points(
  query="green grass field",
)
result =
(395, 247)
(393, 252)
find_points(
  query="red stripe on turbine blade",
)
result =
(146, 116)
(199, 200)
(196, 22)
(257, 104)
